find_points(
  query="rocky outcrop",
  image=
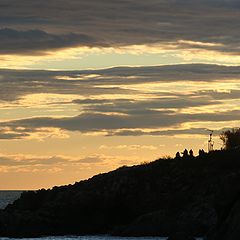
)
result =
(194, 196)
(180, 236)
(193, 220)
(229, 226)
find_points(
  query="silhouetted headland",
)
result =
(190, 196)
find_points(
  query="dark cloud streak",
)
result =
(93, 91)
(37, 41)
(93, 122)
(120, 23)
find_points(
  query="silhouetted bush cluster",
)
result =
(231, 138)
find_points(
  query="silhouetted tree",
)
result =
(231, 138)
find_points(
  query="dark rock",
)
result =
(180, 236)
(195, 219)
(229, 227)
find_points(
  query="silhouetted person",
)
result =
(185, 153)
(191, 153)
(178, 156)
(201, 152)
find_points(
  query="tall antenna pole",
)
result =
(210, 141)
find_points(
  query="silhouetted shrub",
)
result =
(231, 138)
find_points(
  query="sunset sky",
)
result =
(88, 86)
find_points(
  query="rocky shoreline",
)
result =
(197, 196)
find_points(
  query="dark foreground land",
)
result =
(191, 196)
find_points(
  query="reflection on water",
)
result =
(91, 238)
(94, 238)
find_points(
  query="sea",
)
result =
(90, 238)
(7, 197)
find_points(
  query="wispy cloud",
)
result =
(107, 81)
(159, 100)
(28, 163)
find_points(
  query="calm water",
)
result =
(91, 238)
(7, 197)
